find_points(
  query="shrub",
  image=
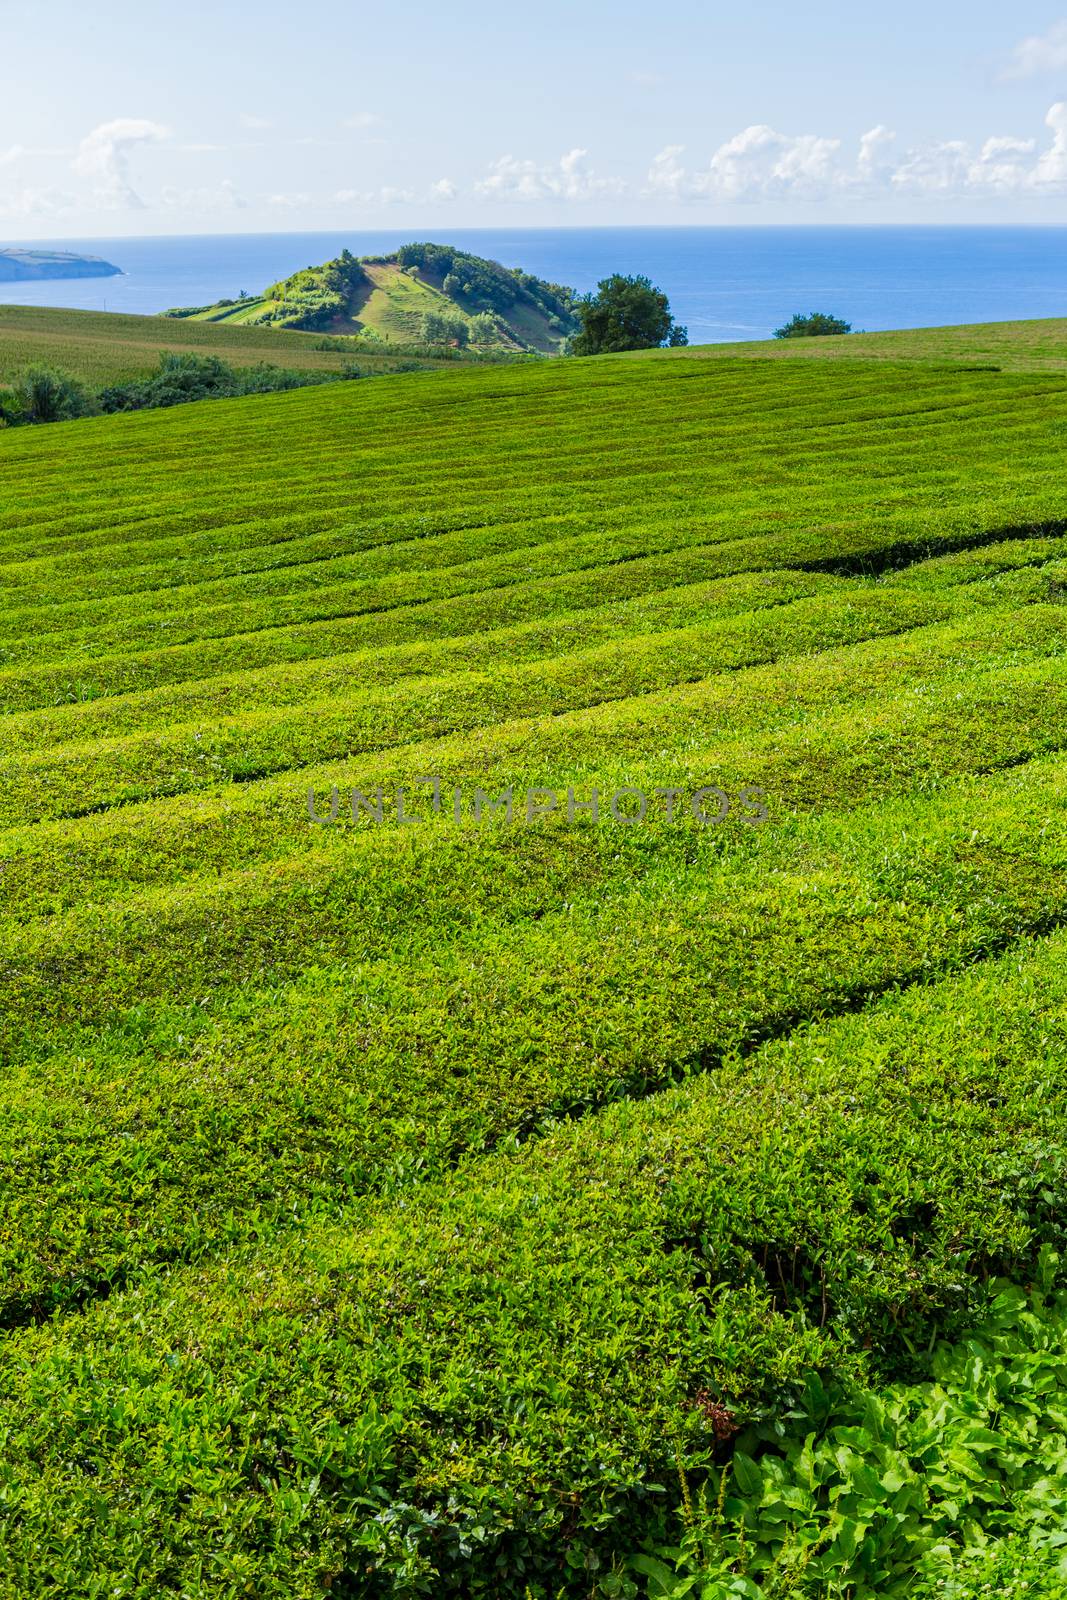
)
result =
(43, 394)
(816, 326)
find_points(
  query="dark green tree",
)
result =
(625, 314)
(815, 326)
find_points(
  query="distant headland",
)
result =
(25, 265)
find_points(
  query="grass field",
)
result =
(1037, 346)
(102, 347)
(439, 1208)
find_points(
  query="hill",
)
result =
(395, 298)
(470, 1205)
(101, 347)
(17, 265)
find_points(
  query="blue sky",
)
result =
(142, 118)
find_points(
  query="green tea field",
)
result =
(533, 987)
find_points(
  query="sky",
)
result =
(131, 117)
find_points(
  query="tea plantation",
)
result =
(554, 1204)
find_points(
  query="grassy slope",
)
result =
(398, 301)
(104, 347)
(1036, 346)
(274, 1255)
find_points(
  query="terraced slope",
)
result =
(384, 1201)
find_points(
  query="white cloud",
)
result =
(362, 119)
(1040, 53)
(443, 189)
(757, 163)
(934, 168)
(1002, 165)
(667, 176)
(760, 163)
(223, 197)
(872, 163)
(569, 179)
(257, 124)
(104, 157)
(13, 153)
(36, 203)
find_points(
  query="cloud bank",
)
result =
(104, 158)
(760, 163)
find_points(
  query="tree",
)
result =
(483, 328)
(625, 314)
(815, 326)
(438, 328)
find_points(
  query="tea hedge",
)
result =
(393, 1210)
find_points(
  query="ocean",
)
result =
(723, 283)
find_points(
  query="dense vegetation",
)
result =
(625, 314)
(315, 297)
(443, 1209)
(486, 286)
(818, 325)
(43, 394)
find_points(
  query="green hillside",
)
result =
(497, 1206)
(1036, 346)
(101, 347)
(390, 298)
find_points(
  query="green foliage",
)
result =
(42, 394)
(179, 312)
(488, 287)
(1011, 1568)
(438, 329)
(625, 314)
(942, 1489)
(314, 297)
(817, 325)
(483, 328)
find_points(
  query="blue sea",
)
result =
(723, 283)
